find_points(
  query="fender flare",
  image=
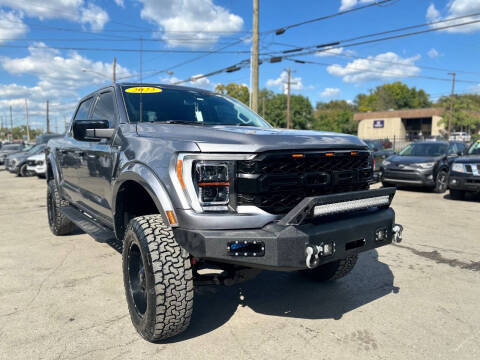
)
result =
(145, 177)
(51, 162)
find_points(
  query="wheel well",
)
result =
(49, 171)
(132, 201)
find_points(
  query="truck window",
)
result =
(104, 108)
(83, 110)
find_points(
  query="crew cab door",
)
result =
(98, 162)
(69, 156)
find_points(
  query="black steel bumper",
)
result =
(282, 245)
(466, 182)
(411, 177)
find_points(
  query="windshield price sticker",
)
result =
(143, 90)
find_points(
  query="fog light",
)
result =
(430, 177)
(453, 181)
(328, 249)
(381, 234)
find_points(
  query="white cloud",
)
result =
(456, 8)
(57, 72)
(120, 3)
(95, 16)
(11, 25)
(433, 53)
(203, 83)
(281, 82)
(193, 23)
(330, 93)
(74, 10)
(329, 51)
(382, 67)
(348, 4)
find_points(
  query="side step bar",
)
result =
(98, 232)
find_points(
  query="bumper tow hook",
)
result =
(311, 251)
(397, 233)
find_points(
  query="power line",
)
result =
(281, 30)
(125, 50)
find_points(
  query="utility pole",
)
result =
(11, 120)
(289, 84)
(48, 121)
(254, 58)
(26, 115)
(451, 104)
(263, 107)
(114, 69)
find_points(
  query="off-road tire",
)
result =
(58, 222)
(457, 194)
(332, 271)
(167, 279)
(441, 182)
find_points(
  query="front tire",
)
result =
(22, 171)
(441, 182)
(332, 271)
(58, 222)
(158, 279)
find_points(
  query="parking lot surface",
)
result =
(63, 297)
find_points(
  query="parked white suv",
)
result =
(36, 164)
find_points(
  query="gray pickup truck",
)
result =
(186, 180)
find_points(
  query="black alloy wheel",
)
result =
(137, 281)
(441, 182)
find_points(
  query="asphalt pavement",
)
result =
(63, 297)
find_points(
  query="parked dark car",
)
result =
(423, 163)
(379, 153)
(17, 163)
(9, 149)
(464, 176)
(188, 179)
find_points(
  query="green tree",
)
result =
(335, 116)
(466, 112)
(237, 91)
(300, 108)
(395, 96)
(19, 132)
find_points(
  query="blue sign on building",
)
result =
(378, 124)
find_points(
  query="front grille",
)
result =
(277, 181)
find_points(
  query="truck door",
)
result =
(98, 161)
(69, 156)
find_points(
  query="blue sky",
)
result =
(38, 60)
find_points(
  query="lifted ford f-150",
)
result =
(188, 180)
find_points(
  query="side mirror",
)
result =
(92, 130)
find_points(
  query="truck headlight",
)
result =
(212, 182)
(205, 182)
(458, 167)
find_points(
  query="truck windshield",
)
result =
(425, 149)
(187, 107)
(474, 149)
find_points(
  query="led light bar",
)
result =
(335, 208)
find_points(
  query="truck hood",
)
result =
(468, 159)
(249, 139)
(397, 159)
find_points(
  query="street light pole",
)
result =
(26, 114)
(451, 104)
(254, 58)
(114, 70)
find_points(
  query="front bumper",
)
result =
(283, 245)
(408, 177)
(466, 182)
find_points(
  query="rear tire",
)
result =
(441, 182)
(457, 194)
(158, 279)
(58, 222)
(332, 271)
